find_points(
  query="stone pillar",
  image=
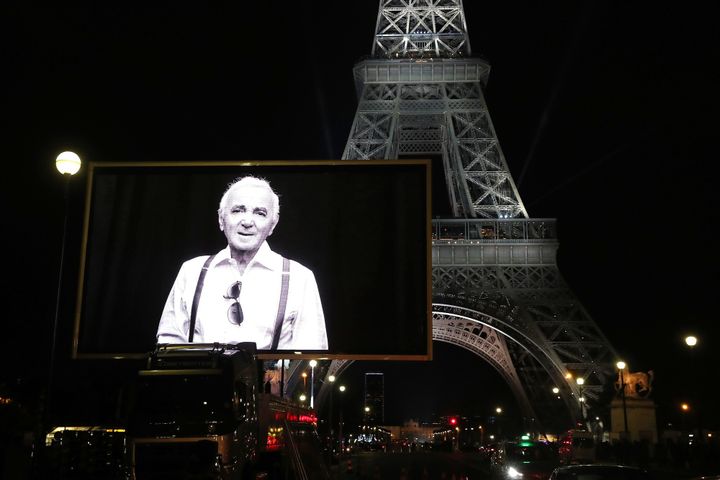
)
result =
(641, 420)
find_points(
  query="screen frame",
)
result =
(264, 355)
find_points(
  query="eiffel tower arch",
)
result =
(497, 289)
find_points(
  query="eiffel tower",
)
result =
(497, 290)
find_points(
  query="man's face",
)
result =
(247, 218)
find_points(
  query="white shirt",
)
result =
(303, 326)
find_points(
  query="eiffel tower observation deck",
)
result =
(497, 289)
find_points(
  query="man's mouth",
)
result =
(246, 234)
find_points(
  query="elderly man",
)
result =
(245, 292)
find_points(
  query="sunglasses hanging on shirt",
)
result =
(234, 313)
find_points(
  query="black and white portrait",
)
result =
(246, 292)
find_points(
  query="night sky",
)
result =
(606, 113)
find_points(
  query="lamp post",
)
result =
(580, 382)
(68, 164)
(313, 364)
(331, 379)
(697, 391)
(304, 377)
(499, 410)
(684, 409)
(340, 423)
(621, 366)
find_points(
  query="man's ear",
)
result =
(277, 219)
(221, 224)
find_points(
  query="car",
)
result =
(526, 460)
(600, 472)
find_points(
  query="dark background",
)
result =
(371, 271)
(606, 112)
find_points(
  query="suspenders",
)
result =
(282, 304)
(196, 298)
(284, 287)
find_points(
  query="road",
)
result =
(430, 465)
(415, 465)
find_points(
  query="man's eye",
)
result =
(237, 209)
(261, 213)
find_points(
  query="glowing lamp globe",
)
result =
(691, 341)
(68, 163)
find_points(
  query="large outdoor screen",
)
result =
(165, 261)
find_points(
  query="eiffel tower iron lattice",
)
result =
(497, 289)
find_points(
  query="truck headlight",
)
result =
(513, 473)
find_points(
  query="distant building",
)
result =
(412, 432)
(374, 399)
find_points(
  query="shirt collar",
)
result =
(264, 257)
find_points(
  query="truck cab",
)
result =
(195, 413)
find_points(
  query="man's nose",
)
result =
(246, 222)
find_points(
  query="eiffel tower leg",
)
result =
(373, 132)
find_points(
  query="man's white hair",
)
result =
(250, 181)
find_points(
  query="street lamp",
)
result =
(499, 410)
(302, 397)
(340, 423)
(621, 366)
(331, 379)
(685, 408)
(697, 391)
(580, 382)
(68, 164)
(313, 364)
(304, 377)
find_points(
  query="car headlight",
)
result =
(513, 473)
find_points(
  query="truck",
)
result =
(577, 446)
(199, 412)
